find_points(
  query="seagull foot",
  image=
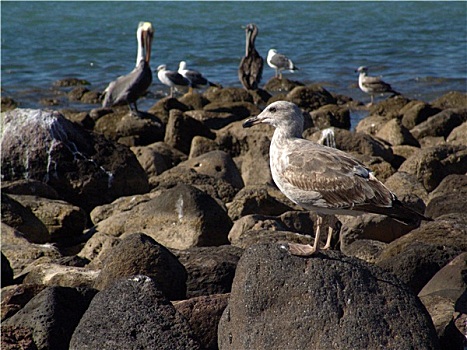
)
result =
(302, 249)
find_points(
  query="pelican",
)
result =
(250, 70)
(171, 78)
(128, 88)
(280, 62)
(195, 78)
(372, 85)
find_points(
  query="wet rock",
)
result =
(70, 82)
(284, 84)
(256, 200)
(7, 272)
(15, 297)
(306, 300)
(50, 274)
(331, 115)
(453, 99)
(395, 133)
(81, 118)
(458, 135)
(54, 311)
(416, 112)
(440, 124)
(76, 163)
(203, 315)
(181, 129)
(210, 269)
(8, 104)
(64, 221)
(133, 314)
(310, 97)
(21, 218)
(431, 165)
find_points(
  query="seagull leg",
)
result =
(306, 249)
(332, 224)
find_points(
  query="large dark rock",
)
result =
(452, 99)
(140, 254)
(52, 315)
(310, 97)
(7, 272)
(328, 301)
(132, 314)
(84, 168)
(440, 124)
(331, 115)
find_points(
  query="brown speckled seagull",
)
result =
(323, 179)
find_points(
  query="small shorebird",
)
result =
(372, 85)
(279, 62)
(171, 78)
(128, 88)
(250, 70)
(323, 179)
(195, 78)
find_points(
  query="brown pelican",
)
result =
(372, 85)
(323, 179)
(128, 88)
(250, 70)
(171, 78)
(196, 78)
(280, 62)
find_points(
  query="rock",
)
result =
(401, 153)
(97, 248)
(201, 145)
(256, 200)
(213, 120)
(132, 314)
(210, 269)
(306, 300)
(64, 222)
(194, 100)
(390, 107)
(364, 249)
(416, 112)
(404, 184)
(17, 337)
(241, 109)
(76, 163)
(217, 164)
(15, 297)
(170, 155)
(458, 135)
(371, 124)
(310, 97)
(29, 187)
(140, 254)
(52, 316)
(203, 315)
(452, 99)
(227, 95)
(331, 115)
(181, 129)
(19, 217)
(8, 104)
(431, 141)
(7, 272)
(284, 84)
(448, 197)
(50, 274)
(395, 133)
(451, 184)
(440, 124)
(163, 107)
(70, 82)
(431, 165)
(150, 159)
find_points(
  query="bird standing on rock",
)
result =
(195, 78)
(372, 85)
(280, 62)
(171, 78)
(128, 88)
(323, 179)
(250, 70)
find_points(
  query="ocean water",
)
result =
(420, 48)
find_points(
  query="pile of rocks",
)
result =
(164, 229)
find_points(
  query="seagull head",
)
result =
(362, 69)
(182, 65)
(161, 67)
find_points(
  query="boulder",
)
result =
(440, 124)
(327, 301)
(310, 97)
(404, 184)
(201, 145)
(458, 135)
(203, 314)
(448, 197)
(97, 248)
(277, 84)
(416, 112)
(76, 163)
(7, 272)
(213, 120)
(227, 95)
(150, 159)
(133, 314)
(240, 109)
(331, 115)
(52, 274)
(162, 108)
(29, 187)
(16, 296)
(140, 254)
(371, 124)
(52, 316)
(395, 133)
(452, 99)
(390, 107)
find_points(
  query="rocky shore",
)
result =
(164, 230)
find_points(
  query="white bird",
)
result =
(279, 62)
(171, 78)
(372, 85)
(323, 179)
(197, 80)
(128, 88)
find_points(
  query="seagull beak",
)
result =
(251, 121)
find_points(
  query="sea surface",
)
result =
(420, 48)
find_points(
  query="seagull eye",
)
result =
(272, 109)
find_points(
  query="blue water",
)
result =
(418, 47)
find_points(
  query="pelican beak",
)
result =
(148, 44)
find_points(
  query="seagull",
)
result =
(250, 70)
(372, 85)
(195, 78)
(128, 88)
(171, 78)
(323, 179)
(279, 62)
